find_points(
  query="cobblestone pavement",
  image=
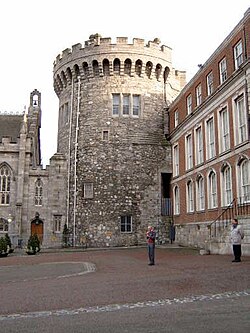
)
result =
(69, 282)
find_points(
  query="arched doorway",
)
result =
(37, 227)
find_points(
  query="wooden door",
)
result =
(37, 228)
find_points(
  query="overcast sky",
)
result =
(33, 33)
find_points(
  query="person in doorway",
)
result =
(172, 232)
(237, 234)
(151, 235)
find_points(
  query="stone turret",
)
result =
(110, 127)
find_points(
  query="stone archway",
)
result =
(37, 227)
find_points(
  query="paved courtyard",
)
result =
(115, 290)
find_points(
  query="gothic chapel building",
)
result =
(136, 146)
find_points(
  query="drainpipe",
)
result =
(75, 159)
(69, 149)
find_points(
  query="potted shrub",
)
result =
(9, 245)
(33, 245)
(3, 247)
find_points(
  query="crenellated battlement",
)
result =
(101, 58)
(96, 41)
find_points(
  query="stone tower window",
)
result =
(127, 66)
(158, 71)
(116, 104)
(166, 73)
(4, 185)
(136, 105)
(126, 223)
(105, 135)
(95, 67)
(88, 190)
(77, 70)
(69, 74)
(85, 69)
(138, 67)
(125, 105)
(149, 67)
(117, 66)
(105, 65)
(38, 192)
(64, 79)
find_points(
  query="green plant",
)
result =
(33, 244)
(8, 241)
(9, 244)
(3, 247)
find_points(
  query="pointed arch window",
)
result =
(212, 190)
(190, 196)
(176, 200)
(38, 192)
(4, 185)
(200, 193)
(244, 180)
(226, 185)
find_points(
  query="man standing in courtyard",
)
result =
(237, 234)
(151, 245)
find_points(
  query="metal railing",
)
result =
(166, 207)
(239, 207)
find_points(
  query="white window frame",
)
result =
(116, 104)
(210, 83)
(238, 55)
(189, 151)
(226, 187)
(212, 190)
(240, 119)
(200, 193)
(190, 196)
(199, 148)
(224, 132)
(198, 95)
(176, 118)
(223, 70)
(176, 160)
(125, 105)
(244, 181)
(176, 196)
(189, 104)
(210, 135)
(136, 105)
(126, 225)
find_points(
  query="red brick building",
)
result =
(209, 133)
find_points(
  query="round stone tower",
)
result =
(111, 129)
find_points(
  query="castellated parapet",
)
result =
(110, 128)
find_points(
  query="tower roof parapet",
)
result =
(97, 45)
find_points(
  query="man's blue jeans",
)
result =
(151, 253)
